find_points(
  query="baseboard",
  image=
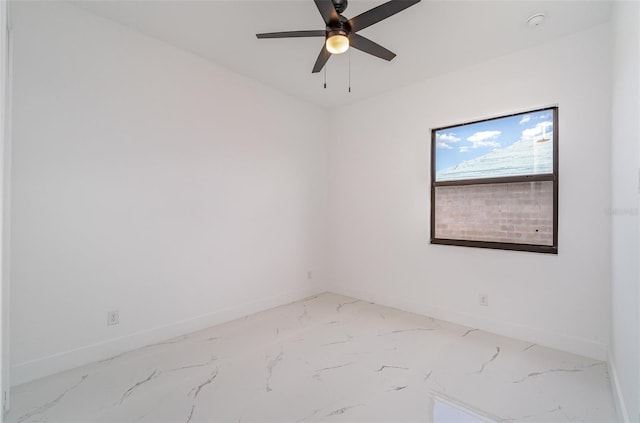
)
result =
(45, 366)
(618, 397)
(572, 344)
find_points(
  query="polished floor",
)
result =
(327, 358)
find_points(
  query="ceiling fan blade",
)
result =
(321, 60)
(368, 46)
(292, 34)
(328, 12)
(379, 13)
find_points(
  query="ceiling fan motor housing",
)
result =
(339, 28)
(336, 31)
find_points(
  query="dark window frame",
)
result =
(553, 177)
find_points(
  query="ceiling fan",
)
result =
(340, 32)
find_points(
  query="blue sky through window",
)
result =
(513, 145)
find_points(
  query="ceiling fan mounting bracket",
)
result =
(340, 5)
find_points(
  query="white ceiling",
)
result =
(430, 38)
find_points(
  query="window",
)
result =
(494, 183)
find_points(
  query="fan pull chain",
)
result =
(349, 70)
(325, 77)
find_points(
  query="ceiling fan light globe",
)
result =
(337, 44)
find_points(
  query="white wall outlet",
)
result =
(483, 299)
(309, 274)
(113, 318)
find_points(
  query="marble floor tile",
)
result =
(327, 358)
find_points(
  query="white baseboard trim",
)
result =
(572, 344)
(618, 397)
(45, 366)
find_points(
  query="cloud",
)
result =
(484, 135)
(464, 149)
(485, 139)
(443, 140)
(450, 137)
(441, 144)
(525, 119)
(536, 130)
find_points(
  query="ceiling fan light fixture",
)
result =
(337, 42)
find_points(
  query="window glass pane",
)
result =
(515, 212)
(510, 146)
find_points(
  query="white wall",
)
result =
(150, 181)
(4, 132)
(624, 356)
(379, 199)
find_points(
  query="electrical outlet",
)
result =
(113, 318)
(309, 275)
(483, 299)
